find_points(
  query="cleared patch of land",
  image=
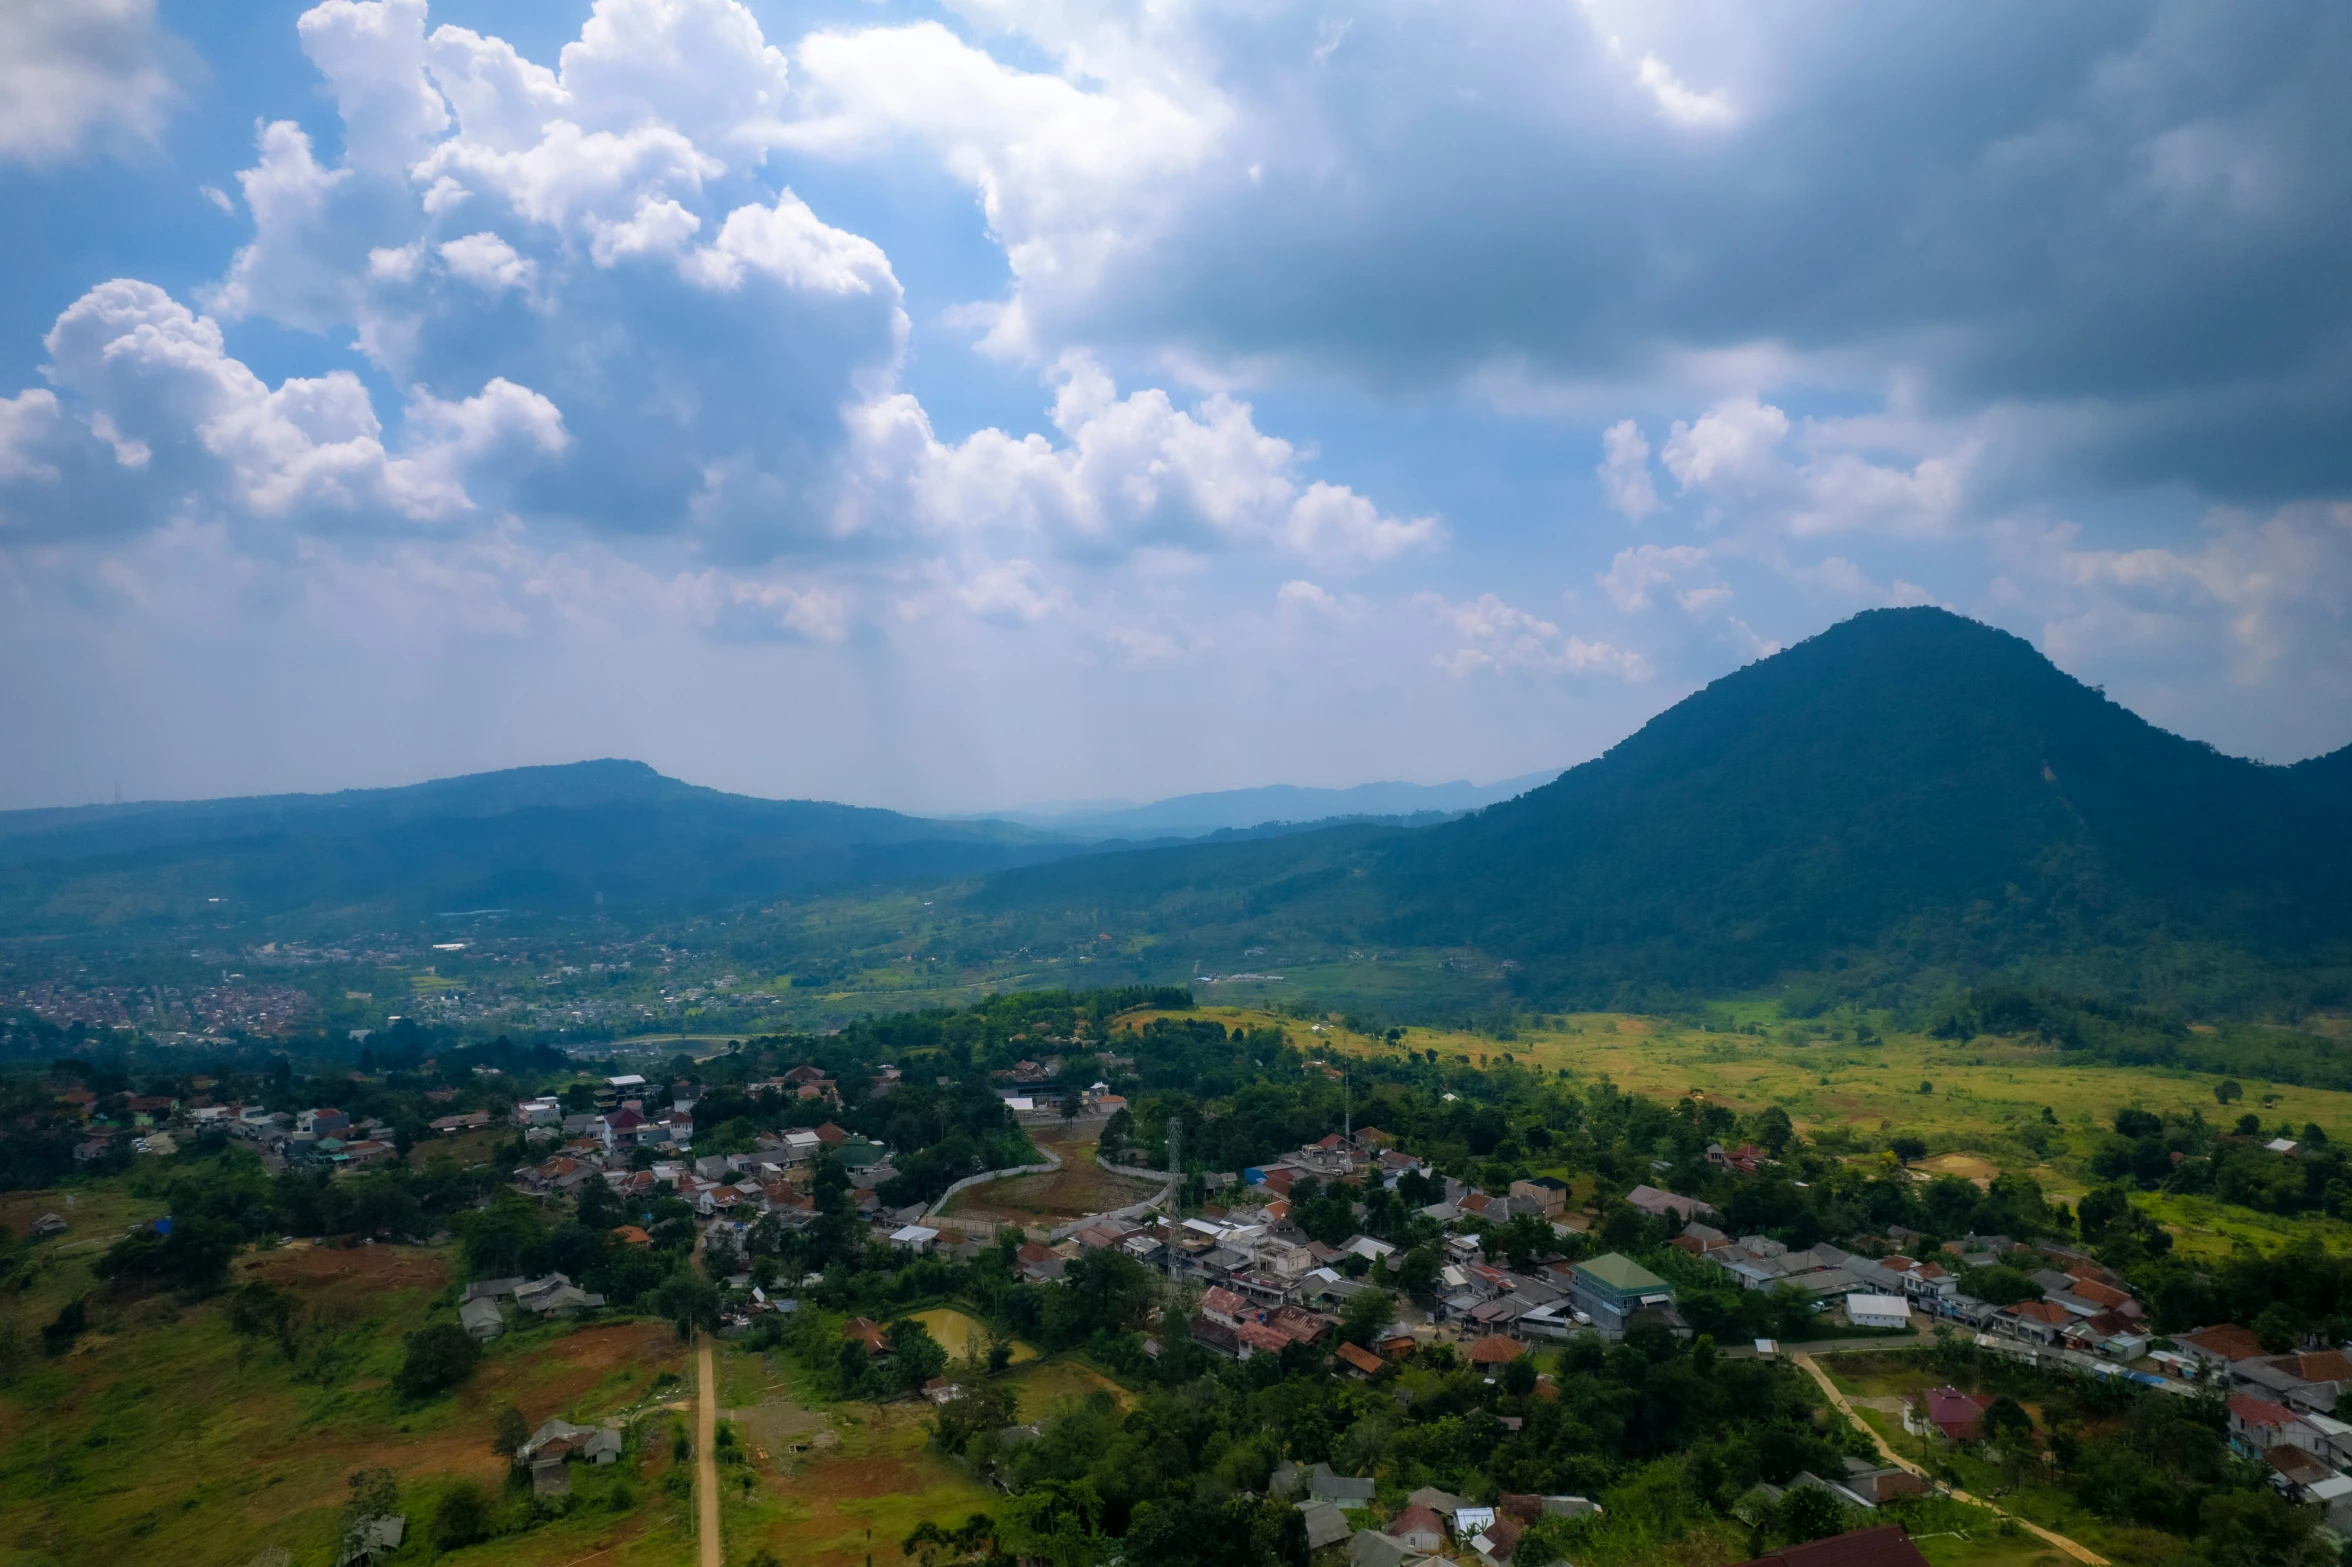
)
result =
(1081, 1186)
(857, 1497)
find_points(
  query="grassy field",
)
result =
(1982, 1113)
(964, 1336)
(1875, 1384)
(163, 1437)
(869, 1474)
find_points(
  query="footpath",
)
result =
(2080, 1552)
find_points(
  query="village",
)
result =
(1250, 1281)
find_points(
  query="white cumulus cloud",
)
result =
(78, 72)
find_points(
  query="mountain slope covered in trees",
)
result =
(1909, 796)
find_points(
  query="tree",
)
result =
(916, 1357)
(2228, 1091)
(501, 1240)
(1417, 1274)
(690, 1303)
(986, 1407)
(462, 1518)
(439, 1358)
(1999, 1285)
(1519, 1377)
(2279, 1326)
(2005, 1421)
(70, 1323)
(1809, 1512)
(509, 1432)
(2254, 1528)
(1364, 1315)
(260, 1310)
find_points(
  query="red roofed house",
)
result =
(2040, 1321)
(1222, 1305)
(831, 1136)
(1418, 1528)
(619, 1129)
(1259, 1338)
(1948, 1412)
(1038, 1264)
(1885, 1546)
(1501, 1539)
(1496, 1350)
(2105, 1296)
(2257, 1425)
(1360, 1360)
(2220, 1346)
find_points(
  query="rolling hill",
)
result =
(1910, 796)
(614, 836)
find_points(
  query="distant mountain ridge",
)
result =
(615, 835)
(1196, 815)
(1908, 794)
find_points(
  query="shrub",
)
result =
(71, 1321)
(439, 1358)
(462, 1518)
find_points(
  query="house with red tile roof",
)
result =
(1885, 1546)
(2256, 1425)
(2036, 1321)
(1946, 1412)
(1419, 1528)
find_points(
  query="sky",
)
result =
(959, 406)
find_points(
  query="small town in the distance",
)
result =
(1896, 1107)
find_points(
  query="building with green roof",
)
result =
(1612, 1289)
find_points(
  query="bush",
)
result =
(439, 1358)
(463, 1517)
(71, 1321)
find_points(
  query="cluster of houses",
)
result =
(558, 1444)
(544, 1299)
(322, 1137)
(2083, 1307)
(1267, 1284)
(1431, 1525)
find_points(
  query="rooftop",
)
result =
(1621, 1273)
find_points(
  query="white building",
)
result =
(1878, 1311)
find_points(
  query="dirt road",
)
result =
(2081, 1553)
(706, 1459)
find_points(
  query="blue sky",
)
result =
(955, 406)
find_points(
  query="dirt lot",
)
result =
(1080, 1187)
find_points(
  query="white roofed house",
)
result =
(1878, 1311)
(1651, 1200)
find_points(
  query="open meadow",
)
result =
(839, 1484)
(1978, 1107)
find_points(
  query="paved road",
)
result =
(2081, 1553)
(706, 1462)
